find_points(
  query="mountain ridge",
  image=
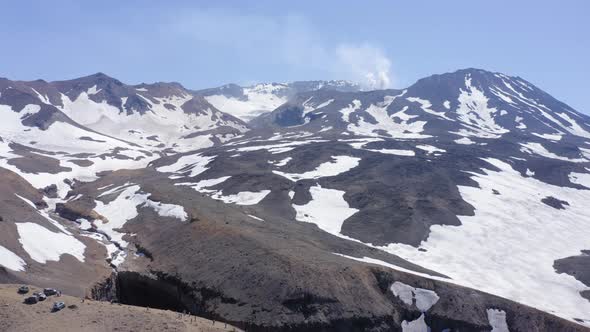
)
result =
(440, 188)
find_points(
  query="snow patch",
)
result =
(424, 298)
(430, 149)
(406, 153)
(497, 319)
(356, 104)
(277, 148)
(255, 217)
(327, 209)
(11, 261)
(580, 178)
(242, 198)
(195, 163)
(282, 162)
(425, 105)
(360, 143)
(385, 122)
(475, 114)
(124, 208)
(93, 90)
(257, 100)
(167, 210)
(201, 185)
(338, 165)
(540, 150)
(464, 141)
(64, 140)
(45, 214)
(417, 325)
(391, 266)
(510, 225)
(553, 137)
(43, 245)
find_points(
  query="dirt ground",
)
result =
(91, 316)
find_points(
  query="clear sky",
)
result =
(379, 43)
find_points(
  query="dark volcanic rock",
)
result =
(82, 162)
(86, 138)
(576, 266)
(554, 202)
(50, 191)
(36, 163)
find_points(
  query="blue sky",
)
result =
(379, 43)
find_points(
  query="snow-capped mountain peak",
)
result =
(251, 101)
(470, 104)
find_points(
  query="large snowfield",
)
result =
(508, 248)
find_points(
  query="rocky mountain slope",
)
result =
(457, 203)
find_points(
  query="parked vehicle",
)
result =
(23, 289)
(31, 300)
(57, 306)
(50, 291)
(40, 296)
